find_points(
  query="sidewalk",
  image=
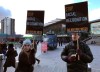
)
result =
(50, 61)
(1, 63)
(11, 69)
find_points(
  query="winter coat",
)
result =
(26, 64)
(10, 60)
(4, 48)
(35, 46)
(79, 65)
(0, 48)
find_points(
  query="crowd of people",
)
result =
(76, 54)
(26, 57)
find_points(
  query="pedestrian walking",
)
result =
(10, 60)
(77, 54)
(4, 50)
(0, 48)
(60, 41)
(26, 58)
(34, 45)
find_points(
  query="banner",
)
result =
(35, 22)
(77, 17)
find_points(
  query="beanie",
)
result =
(27, 41)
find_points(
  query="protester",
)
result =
(26, 58)
(77, 54)
(10, 60)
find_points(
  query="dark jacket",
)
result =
(4, 48)
(79, 65)
(25, 63)
(35, 46)
(0, 48)
(10, 60)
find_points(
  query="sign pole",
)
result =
(78, 48)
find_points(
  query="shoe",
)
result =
(38, 61)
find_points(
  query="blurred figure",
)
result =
(77, 55)
(4, 49)
(0, 48)
(1, 54)
(60, 41)
(26, 57)
(34, 45)
(10, 60)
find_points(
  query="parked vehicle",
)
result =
(51, 40)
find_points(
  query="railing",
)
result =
(85, 40)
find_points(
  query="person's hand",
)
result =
(72, 58)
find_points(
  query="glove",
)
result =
(72, 58)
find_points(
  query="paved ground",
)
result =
(51, 61)
(95, 65)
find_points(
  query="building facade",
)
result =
(8, 26)
(57, 27)
(95, 27)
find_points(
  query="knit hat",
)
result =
(27, 41)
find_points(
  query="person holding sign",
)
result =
(77, 54)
